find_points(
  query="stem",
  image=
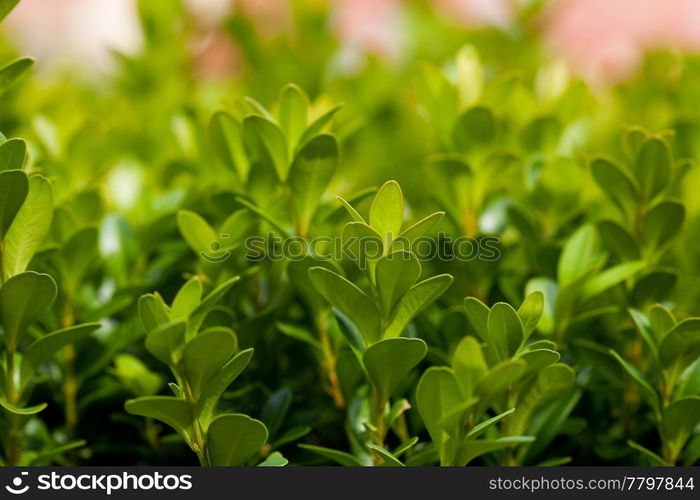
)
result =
(199, 446)
(329, 364)
(14, 444)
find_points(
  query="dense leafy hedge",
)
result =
(146, 241)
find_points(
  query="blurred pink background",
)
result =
(603, 41)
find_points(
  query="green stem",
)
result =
(14, 444)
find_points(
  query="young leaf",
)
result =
(309, 175)
(390, 361)
(495, 381)
(12, 155)
(386, 211)
(293, 107)
(653, 167)
(681, 346)
(187, 299)
(275, 409)
(505, 330)
(648, 392)
(478, 315)
(165, 341)
(198, 234)
(22, 298)
(317, 126)
(478, 447)
(30, 226)
(177, 413)
(14, 187)
(469, 365)
(337, 456)
(233, 439)
(616, 183)
(204, 355)
(678, 422)
(12, 71)
(274, 459)
(618, 240)
(268, 141)
(153, 311)
(215, 387)
(580, 254)
(663, 221)
(437, 393)
(530, 312)
(421, 228)
(389, 459)
(395, 274)
(417, 298)
(349, 300)
(43, 349)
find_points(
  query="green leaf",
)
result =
(530, 312)
(14, 187)
(274, 459)
(661, 321)
(647, 391)
(275, 409)
(309, 175)
(12, 155)
(43, 349)
(268, 141)
(476, 448)
(207, 304)
(469, 365)
(681, 346)
(317, 125)
(550, 383)
(618, 240)
(337, 456)
(6, 7)
(395, 274)
(495, 381)
(153, 311)
(386, 211)
(16, 410)
(655, 459)
(581, 253)
(663, 221)
(390, 361)
(12, 71)
(349, 300)
(417, 298)
(177, 413)
(293, 108)
(351, 210)
(474, 130)
(198, 234)
(616, 183)
(234, 438)
(227, 138)
(678, 422)
(653, 167)
(299, 333)
(644, 329)
(204, 356)
(604, 280)
(477, 430)
(537, 359)
(421, 228)
(362, 244)
(389, 459)
(478, 316)
(437, 393)
(22, 298)
(166, 341)
(505, 330)
(208, 401)
(187, 299)
(29, 227)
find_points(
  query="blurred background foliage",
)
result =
(117, 115)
